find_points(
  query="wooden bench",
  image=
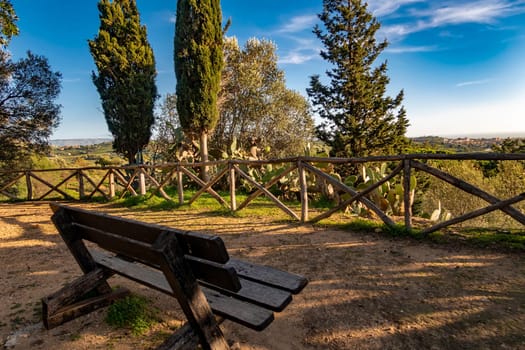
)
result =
(193, 267)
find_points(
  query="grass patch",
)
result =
(511, 239)
(133, 312)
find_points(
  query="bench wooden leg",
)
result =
(190, 296)
(183, 339)
(71, 302)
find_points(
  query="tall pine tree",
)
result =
(126, 76)
(198, 64)
(358, 119)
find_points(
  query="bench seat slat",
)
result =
(260, 294)
(269, 275)
(252, 316)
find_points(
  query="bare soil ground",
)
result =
(366, 291)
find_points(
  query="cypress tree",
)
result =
(358, 119)
(198, 60)
(126, 76)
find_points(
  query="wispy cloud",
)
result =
(299, 57)
(481, 11)
(485, 11)
(298, 24)
(71, 80)
(473, 82)
(411, 49)
(383, 8)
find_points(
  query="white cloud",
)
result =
(481, 12)
(298, 24)
(411, 49)
(298, 57)
(473, 82)
(383, 8)
(486, 11)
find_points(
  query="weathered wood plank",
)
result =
(74, 291)
(208, 185)
(465, 186)
(474, 213)
(260, 294)
(267, 186)
(406, 194)
(127, 186)
(116, 243)
(12, 182)
(187, 291)
(201, 183)
(269, 275)
(96, 186)
(83, 307)
(53, 188)
(213, 273)
(197, 244)
(128, 183)
(183, 339)
(159, 188)
(76, 246)
(255, 317)
(355, 195)
(303, 192)
(268, 194)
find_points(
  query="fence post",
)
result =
(29, 186)
(304, 191)
(111, 184)
(233, 199)
(142, 182)
(179, 185)
(406, 194)
(81, 191)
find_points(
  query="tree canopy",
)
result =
(358, 119)
(126, 76)
(8, 18)
(256, 105)
(198, 60)
(28, 91)
(28, 111)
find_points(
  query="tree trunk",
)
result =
(204, 155)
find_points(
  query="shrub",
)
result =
(133, 312)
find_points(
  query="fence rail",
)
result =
(84, 183)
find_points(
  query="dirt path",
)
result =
(366, 291)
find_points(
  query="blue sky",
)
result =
(460, 63)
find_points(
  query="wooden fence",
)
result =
(85, 183)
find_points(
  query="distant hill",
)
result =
(78, 142)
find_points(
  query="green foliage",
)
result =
(8, 18)
(133, 312)
(198, 65)
(388, 197)
(358, 120)
(507, 182)
(28, 111)
(126, 76)
(168, 145)
(256, 108)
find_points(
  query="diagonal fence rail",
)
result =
(112, 182)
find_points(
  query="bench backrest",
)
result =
(144, 243)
